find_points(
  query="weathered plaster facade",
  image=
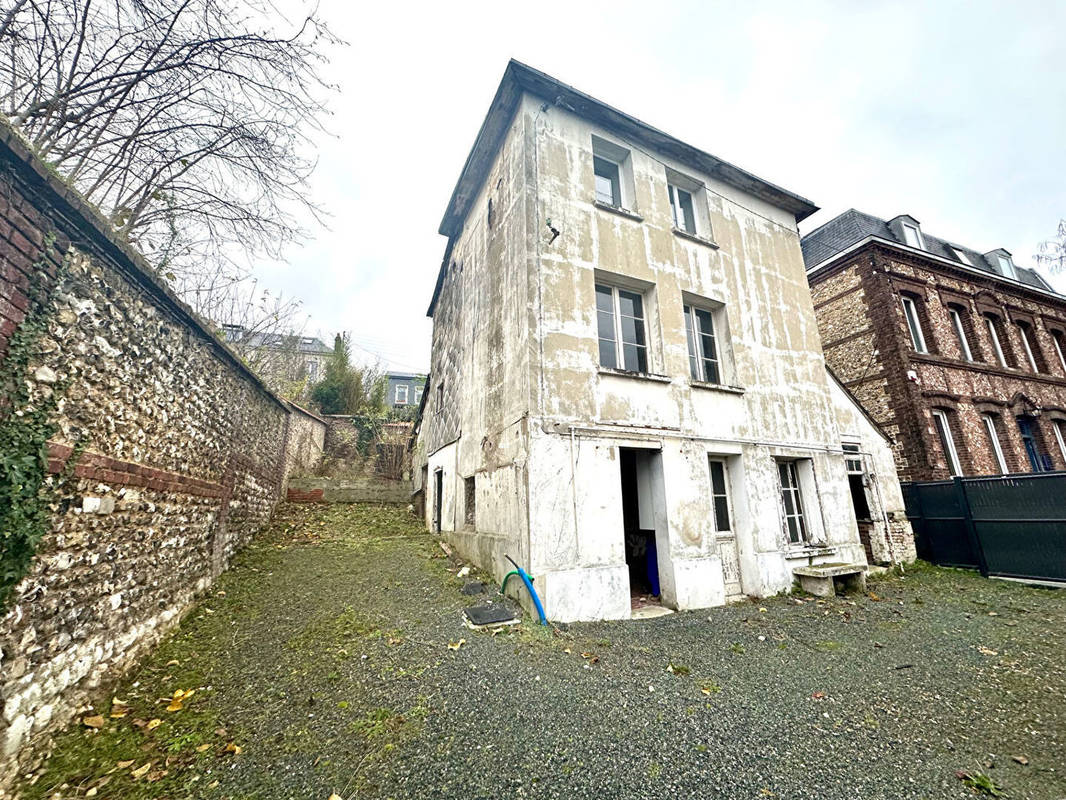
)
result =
(859, 275)
(523, 431)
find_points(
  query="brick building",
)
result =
(959, 355)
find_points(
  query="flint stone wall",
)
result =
(174, 452)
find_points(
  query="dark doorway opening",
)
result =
(641, 489)
(438, 498)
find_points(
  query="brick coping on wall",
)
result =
(67, 203)
(98, 467)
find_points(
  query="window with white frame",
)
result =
(1059, 427)
(620, 320)
(960, 331)
(912, 235)
(1024, 333)
(961, 256)
(1006, 265)
(993, 437)
(914, 324)
(611, 168)
(683, 208)
(792, 501)
(1059, 340)
(418, 394)
(703, 359)
(400, 397)
(991, 324)
(947, 441)
(720, 495)
(608, 181)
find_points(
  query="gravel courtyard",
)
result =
(332, 660)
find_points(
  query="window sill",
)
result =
(622, 212)
(717, 387)
(640, 376)
(809, 550)
(692, 237)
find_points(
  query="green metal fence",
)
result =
(1010, 526)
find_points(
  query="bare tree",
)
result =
(1053, 252)
(186, 122)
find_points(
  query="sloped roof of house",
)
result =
(854, 226)
(519, 78)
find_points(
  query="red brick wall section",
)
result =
(305, 495)
(867, 344)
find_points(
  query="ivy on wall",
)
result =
(27, 421)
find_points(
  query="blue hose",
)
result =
(528, 581)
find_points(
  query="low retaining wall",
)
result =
(341, 490)
(148, 451)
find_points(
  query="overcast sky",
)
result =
(954, 113)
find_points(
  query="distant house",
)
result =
(959, 355)
(281, 359)
(404, 390)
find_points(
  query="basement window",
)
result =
(470, 501)
(621, 328)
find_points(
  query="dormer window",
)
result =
(912, 235)
(961, 256)
(1006, 265)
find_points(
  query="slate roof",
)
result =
(276, 341)
(853, 226)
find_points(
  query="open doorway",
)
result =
(438, 499)
(643, 517)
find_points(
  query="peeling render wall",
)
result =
(891, 539)
(528, 412)
(180, 458)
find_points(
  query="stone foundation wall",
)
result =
(163, 455)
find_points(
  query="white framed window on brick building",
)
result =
(1059, 426)
(914, 323)
(947, 441)
(991, 429)
(1025, 333)
(720, 495)
(400, 397)
(1058, 338)
(621, 322)
(992, 326)
(792, 501)
(960, 331)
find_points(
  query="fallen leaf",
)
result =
(173, 662)
(987, 651)
(203, 748)
(1021, 760)
(236, 749)
(140, 772)
(92, 792)
(335, 796)
(762, 610)
(156, 775)
(456, 645)
(818, 696)
(96, 721)
(124, 764)
(873, 596)
(153, 724)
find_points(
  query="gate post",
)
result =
(971, 530)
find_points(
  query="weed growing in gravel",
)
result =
(737, 648)
(980, 783)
